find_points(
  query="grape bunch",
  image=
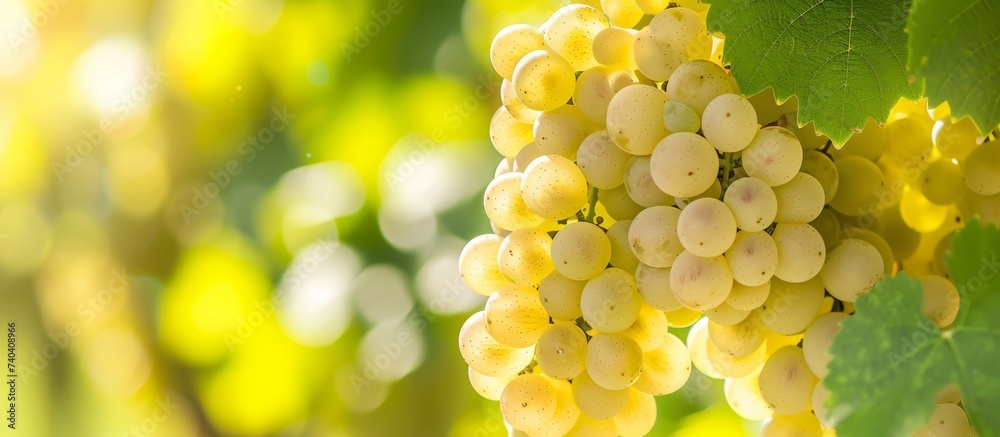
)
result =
(641, 193)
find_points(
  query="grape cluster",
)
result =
(640, 192)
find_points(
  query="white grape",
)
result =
(481, 352)
(570, 32)
(684, 165)
(581, 251)
(621, 251)
(544, 81)
(653, 236)
(515, 316)
(611, 301)
(508, 134)
(528, 401)
(487, 386)
(524, 256)
(614, 361)
(595, 401)
(817, 340)
(511, 44)
(640, 185)
(554, 187)
(706, 228)
(635, 118)
(478, 264)
(601, 161)
(678, 117)
(700, 283)
(801, 252)
(753, 203)
(786, 382)
(656, 61)
(594, 90)
(729, 123)
(753, 258)
(743, 396)
(791, 307)
(561, 296)
(774, 156)
(941, 300)
(654, 286)
(561, 130)
(613, 47)
(638, 416)
(562, 351)
(504, 205)
(696, 83)
(852, 267)
(745, 297)
(800, 200)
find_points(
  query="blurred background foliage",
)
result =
(243, 217)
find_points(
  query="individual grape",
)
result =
(487, 386)
(561, 130)
(595, 88)
(774, 156)
(524, 257)
(665, 369)
(641, 186)
(581, 251)
(613, 47)
(800, 200)
(786, 382)
(724, 314)
(821, 167)
(678, 117)
(947, 420)
(566, 414)
(747, 298)
(655, 61)
(852, 267)
(909, 140)
(570, 32)
(621, 251)
(677, 28)
(743, 396)
(696, 83)
(635, 118)
(820, 396)
(652, 6)
(700, 283)
(623, 13)
(515, 316)
(684, 165)
(595, 401)
(653, 236)
(697, 343)
(706, 228)
(618, 203)
(877, 242)
(729, 123)
(544, 81)
(508, 134)
(478, 264)
(797, 425)
(529, 401)
(511, 44)
(859, 187)
(601, 161)
(777, 341)
(527, 154)
(713, 192)
(919, 213)
(515, 107)
(740, 339)
(753, 203)
(817, 340)
(801, 252)
(654, 287)
(562, 351)
(561, 296)
(950, 394)
(940, 301)
(587, 427)
(942, 182)
(614, 361)
(638, 416)
(791, 307)
(734, 367)
(956, 140)
(753, 258)
(982, 168)
(505, 206)
(484, 355)
(554, 187)
(868, 144)
(649, 329)
(682, 317)
(611, 301)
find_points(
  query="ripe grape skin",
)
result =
(774, 156)
(700, 283)
(562, 351)
(786, 382)
(611, 301)
(601, 161)
(653, 236)
(729, 123)
(581, 251)
(706, 228)
(635, 118)
(544, 81)
(528, 401)
(753, 203)
(511, 44)
(614, 361)
(684, 164)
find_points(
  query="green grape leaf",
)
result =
(844, 59)
(889, 360)
(955, 51)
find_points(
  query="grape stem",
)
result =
(592, 204)
(727, 166)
